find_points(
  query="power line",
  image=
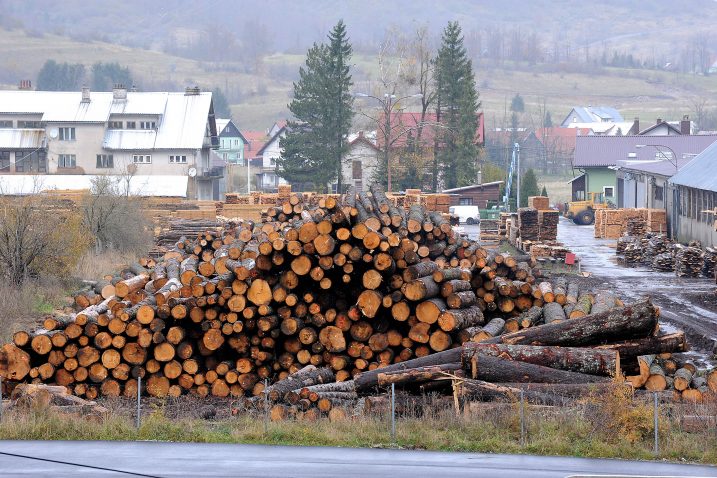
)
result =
(48, 460)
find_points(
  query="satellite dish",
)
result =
(54, 133)
(192, 172)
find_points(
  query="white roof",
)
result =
(130, 139)
(221, 124)
(606, 128)
(168, 186)
(21, 138)
(182, 118)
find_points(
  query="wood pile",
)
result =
(656, 221)
(489, 232)
(664, 262)
(504, 224)
(710, 260)
(548, 224)
(636, 226)
(613, 223)
(539, 202)
(528, 224)
(352, 291)
(688, 261)
(666, 371)
(656, 244)
(622, 243)
(633, 253)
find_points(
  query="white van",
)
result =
(466, 214)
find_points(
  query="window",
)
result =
(465, 201)
(105, 161)
(66, 161)
(147, 125)
(114, 125)
(236, 142)
(30, 162)
(28, 124)
(131, 125)
(6, 124)
(659, 193)
(609, 191)
(142, 159)
(272, 161)
(178, 159)
(356, 170)
(67, 134)
(5, 161)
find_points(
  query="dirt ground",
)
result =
(689, 304)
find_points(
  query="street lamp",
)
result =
(657, 147)
(388, 102)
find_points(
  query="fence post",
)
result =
(393, 413)
(0, 397)
(522, 418)
(656, 424)
(139, 402)
(266, 407)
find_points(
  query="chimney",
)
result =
(192, 91)
(479, 177)
(119, 92)
(85, 94)
(636, 126)
(685, 125)
(25, 85)
(659, 120)
(133, 89)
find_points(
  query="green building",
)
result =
(231, 142)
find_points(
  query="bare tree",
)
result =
(114, 217)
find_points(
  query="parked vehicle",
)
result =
(583, 212)
(466, 214)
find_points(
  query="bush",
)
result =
(114, 218)
(37, 239)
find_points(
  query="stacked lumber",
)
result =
(489, 231)
(688, 261)
(539, 202)
(636, 226)
(622, 243)
(528, 224)
(503, 225)
(600, 215)
(656, 221)
(656, 244)
(633, 253)
(548, 225)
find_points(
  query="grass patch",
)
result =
(565, 432)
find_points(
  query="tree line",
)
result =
(315, 146)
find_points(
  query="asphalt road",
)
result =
(153, 459)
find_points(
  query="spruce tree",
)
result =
(322, 107)
(528, 187)
(456, 107)
(544, 192)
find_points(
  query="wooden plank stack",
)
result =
(636, 226)
(528, 225)
(656, 221)
(548, 224)
(663, 262)
(540, 203)
(710, 260)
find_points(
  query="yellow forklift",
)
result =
(583, 212)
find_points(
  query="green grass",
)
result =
(565, 434)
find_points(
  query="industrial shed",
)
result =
(475, 195)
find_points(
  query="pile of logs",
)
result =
(710, 258)
(686, 382)
(636, 226)
(664, 262)
(688, 261)
(633, 253)
(353, 287)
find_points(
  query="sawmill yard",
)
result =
(293, 329)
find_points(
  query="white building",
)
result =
(268, 180)
(151, 136)
(361, 160)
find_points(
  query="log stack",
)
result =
(664, 262)
(548, 221)
(688, 261)
(528, 224)
(352, 287)
(710, 260)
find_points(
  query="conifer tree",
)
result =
(323, 108)
(456, 108)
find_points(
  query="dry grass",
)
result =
(608, 427)
(21, 307)
(92, 266)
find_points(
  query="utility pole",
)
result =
(517, 156)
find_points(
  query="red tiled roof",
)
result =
(257, 140)
(400, 122)
(559, 138)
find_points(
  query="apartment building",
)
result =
(156, 137)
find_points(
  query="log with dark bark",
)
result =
(496, 369)
(638, 320)
(573, 359)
